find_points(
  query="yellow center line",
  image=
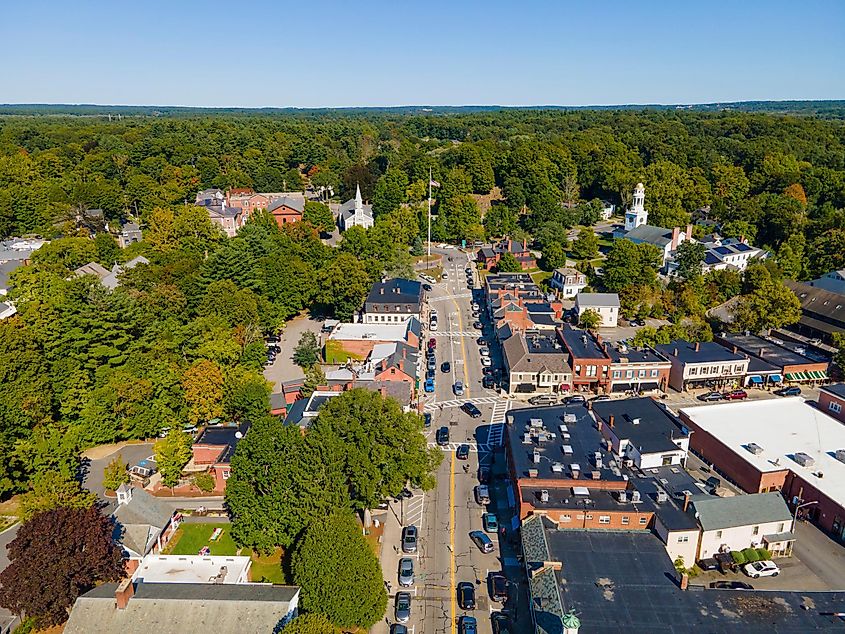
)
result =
(463, 348)
(452, 590)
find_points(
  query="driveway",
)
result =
(283, 368)
(92, 477)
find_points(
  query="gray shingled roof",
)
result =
(658, 236)
(715, 513)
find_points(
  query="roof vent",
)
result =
(536, 457)
(533, 473)
(636, 421)
(840, 455)
(622, 496)
(754, 448)
(544, 495)
(661, 496)
(567, 450)
(536, 422)
(557, 467)
(570, 418)
(635, 496)
(805, 460)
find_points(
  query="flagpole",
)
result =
(429, 215)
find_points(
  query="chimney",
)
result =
(689, 232)
(762, 352)
(675, 352)
(611, 420)
(735, 349)
(697, 346)
(675, 234)
(381, 290)
(684, 581)
(686, 501)
(524, 244)
(123, 593)
(598, 338)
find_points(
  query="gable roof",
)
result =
(818, 301)
(597, 299)
(297, 204)
(92, 268)
(396, 291)
(716, 513)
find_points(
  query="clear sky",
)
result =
(320, 53)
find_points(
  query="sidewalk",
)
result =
(389, 560)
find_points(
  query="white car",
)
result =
(432, 325)
(758, 569)
(486, 362)
(485, 352)
(475, 306)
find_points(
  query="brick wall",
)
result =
(826, 399)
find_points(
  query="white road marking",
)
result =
(481, 400)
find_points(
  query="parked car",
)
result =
(600, 398)
(481, 341)
(462, 453)
(713, 483)
(792, 390)
(443, 436)
(482, 541)
(402, 609)
(444, 275)
(731, 585)
(710, 397)
(501, 623)
(429, 385)
(757, 569)
(491, 524)
(406, 572)
(446, 367)
(543, 399)
(426, 287)
(432, 344)
(432, 325)
(430, 374)
(458, 388)
(475, 306)
(735, 395)
(432, 362)
(477, 325)
(471, 409)
(482, 494)
(483, 475)
(575, 399)
(498, 587)
(409, 539)
(398, 628)
(427, 419)
(708, 564)
(484, 351)
(466, 595)
(468, 625)
(488, 382)
(486, 362)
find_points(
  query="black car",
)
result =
(466, 595)
(462, 452)
(430, 374)
(498, 587)
(488, 382)
(481, 341)
(471, 409)
(731, 585)
(501, 623)
(576, 399)
(427, 287)
(477, 325)
(443, 436)
(446, 367)
(427, 419)
(398, 628)
(792, 390)
(708, 564)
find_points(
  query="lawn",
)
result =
(190, 538)
(266, 569)
(335, 353)
(541, 276)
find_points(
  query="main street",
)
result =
(445, 516)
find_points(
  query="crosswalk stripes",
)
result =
(453, 446)
(444, 298)
(496, 436)
(456, 333)
(482, 400)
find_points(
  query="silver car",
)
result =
(402, 609)
(406, 572)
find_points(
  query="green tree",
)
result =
(586, 245)
(314, 377)
(307, 351)
(689, 257)
(508, 264)
(319, 215)
(589, 319)
(389, 191)
(172, 453)
(790, 256)
(339, 574)
(115, 473)
(344, 285)
(311, 624)
(204, 482)
(108, 253)
(554, 257)
(52, 490)
(629, 264)
(773, 305)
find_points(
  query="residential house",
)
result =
(642, 431)
(822, 311)
(15, 253)
(130, 233)
(535, 364)
(607, 210)
(393, 301)
(789, 361)
(212, 452)
(287, 209)
(394, 362)
(489, 257)
(588, 359)
(759, 520)
(729, 253)
(305, 410)
(110, 279)
(247, 200)
(525, 313)
(638, 369)
(568, 281)
(7, 309)
(354, 213)
(189, 608)
(210, 197)
(832, 400)
(229, 219)
(833, 282)
(92, 220)
(666, 240)
(606, 305)
(143, 523)
(703, 364)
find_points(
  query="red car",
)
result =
(432, 343)
(735, 395)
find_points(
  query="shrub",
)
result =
(763, 554)
(738, 557)
(750, 555)
(205, 482)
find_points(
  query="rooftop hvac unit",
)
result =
(754, 448)
(536, 422)
(596, 475)
(533, 473)
(565, 437)
(570, 418)
(635, 496)
(622, 496)
(636, 421)
(576, 470)
(567, 450)
(840, 455)
(557, 467)
(662, 497)
(804, 460)
(526, 438)
(544, 495)
(541, 437)
(536, 457)
(628, 462)
(564, 429)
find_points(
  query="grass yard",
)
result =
(266, 569)
(336, 355)
(541, 276)
(190, 538)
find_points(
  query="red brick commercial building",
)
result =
(832, 401)
(589, 360)
(489, 257)
(781, 445)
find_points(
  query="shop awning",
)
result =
(796, 376)
(756, 379)
(779, 537)
(775, 378)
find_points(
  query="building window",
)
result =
(617, 374)
(693, 371)
(225, 474)
(566, 518)
(738, 369)
(591, 370)
(604, 519)
(834, 407)
(654, 373)
(755, 530)
(588, 516)
(683, 539)
(643, 521)
(641, 374)
(629, 374)
(625, 520)
(718, 534)
(781, 526)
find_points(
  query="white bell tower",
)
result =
(637, 214)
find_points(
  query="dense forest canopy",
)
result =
(180, 340)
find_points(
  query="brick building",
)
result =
(489, 257)
(638, 369)
(832, 401)
(213, 449)
(589, 361)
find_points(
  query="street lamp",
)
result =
(795, 513)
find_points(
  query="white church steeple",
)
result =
(359, 206)
(637, 214)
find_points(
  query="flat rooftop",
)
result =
(562, 436)
(643, 422)
(780, 428)
(622, 582)
(191, 569)
(707, 352)
(543, 344)
(634, 355)
(769, 351)
(372, 332)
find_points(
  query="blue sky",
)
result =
(321, 53)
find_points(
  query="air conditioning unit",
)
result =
(536, 457)
(526, 438)
(622, 496)
(557, 467)
(754, 448)
(544, 495)
(570, 418)
(662, 497)
(840, 455)
(533, 473)
(635, 496)
(805, 460)
(536, 422)
(567, 450)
